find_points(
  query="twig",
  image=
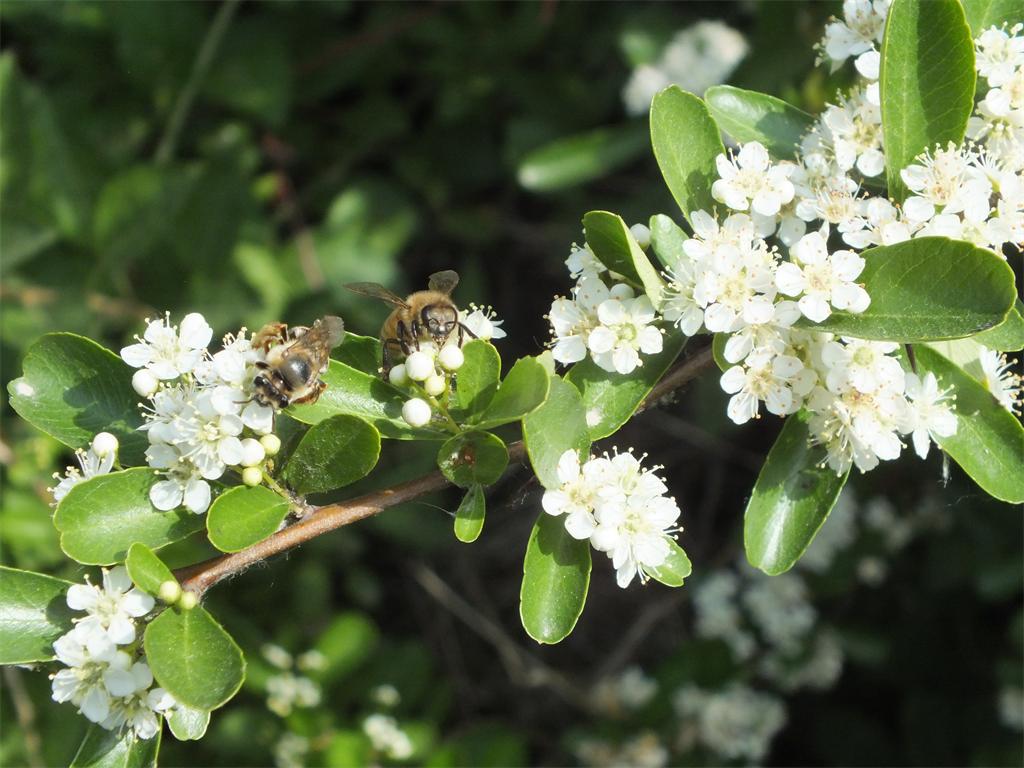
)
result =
(25, 712)
(204, 58)
(522, 668)
(201, 576)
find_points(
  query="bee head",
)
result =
(440, 321)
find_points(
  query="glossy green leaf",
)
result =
(927, 81)
(477, 380)
(989, 441)
(556, 576)
(188, 724)
(1008, 336)
(927, 289)
(578, 159)
(558, 426)
(614, 245)
(33, 613)
(120, 748)
(356, 393)
(982, 14)
(752, 116)
(675, 569)
(72, 388)
(469, 517)
(686, 142)
(359, 352)
(473, 458)
(667, 240)
(147, 570)
(193, 658)
(522, 390)
(792, 498)
(333, 453)
(241, 516)
(610, 399)
(102, 517)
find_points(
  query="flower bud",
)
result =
(271, 444)
(253, 452)
(398, 375)
(144, 382)
(104, 444)
(451, 357)
(641, 234)
(169, 592)
(621, 291)
(435, 385)
(188, 600)
(416, 412)
(419, 366)
(252, 476)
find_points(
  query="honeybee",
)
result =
(295, 358)
(428, 315)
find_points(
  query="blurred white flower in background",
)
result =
(696, 58)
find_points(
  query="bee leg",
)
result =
(385, 354)
(416, 333)
(463, 329)
(312, 397)
(270, 335)
(403, 335)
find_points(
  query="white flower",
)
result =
(882, 224)
(855, 128)
(87, 657)
(856, 428)
(182, 486)
(946, 178)
(928, 415)
(111, 608)
(735, 723)
(780, 381)
(91, 466)
(998, 54)
(862, 26)
(483, 322)
(583, 263)
(749, 181)
(821, 279)
(288, 691)
(1000, 380)
(866, 366)
(167, 353)
(387, 738)
(577, 495)
(679, 306)
(624, 332)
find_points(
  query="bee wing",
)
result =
(377, 291)
(333, 328)
(444, 281)
(319, 339)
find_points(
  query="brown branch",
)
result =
(200, 577)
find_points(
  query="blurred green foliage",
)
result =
(336, 142)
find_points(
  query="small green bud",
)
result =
(252, 476)
(188, 600)
(169, 592)
(271, 444)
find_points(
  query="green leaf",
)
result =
(557, 426)
(686, 142)
(241, 516)
(928, 289)
(193, 658)
(333, 453)
(1008, 336)
(348, 641)
(675, 569)
(188, 724)
(667, 240)
(477, 380)
(524, 388)
(102, 517)
(356, 393)
(116, 749)
(792, 497)
(73, 388)
(610, 399)
(989, 441)
(577, 159)
(473, 458)
(927, 81)
(556, 576)
(614, 245)
(469, 517)
(33, 613)
(146, 569)
(982, 14)
(752, 116)
(359, 352)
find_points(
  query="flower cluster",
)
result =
(736, 723)
(620, 507)
(287, 690)
(104, 675)
(605, 318)
(429, 372)
(387, 738)
(697, 57)
(98, 460)
(201, 418)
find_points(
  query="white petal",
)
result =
(815, 308)
(625, 359)
(119, 682)
(742, 407)
(229, 449)
(137, 603)
(197, 496)
(137, 355)
(82, 597)
(790, 279)
(195, 332)
(580, 525)
(165, 495)
(96, 704)
(601, 339)
(732, 381)
(121, 630)
(554, 502)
